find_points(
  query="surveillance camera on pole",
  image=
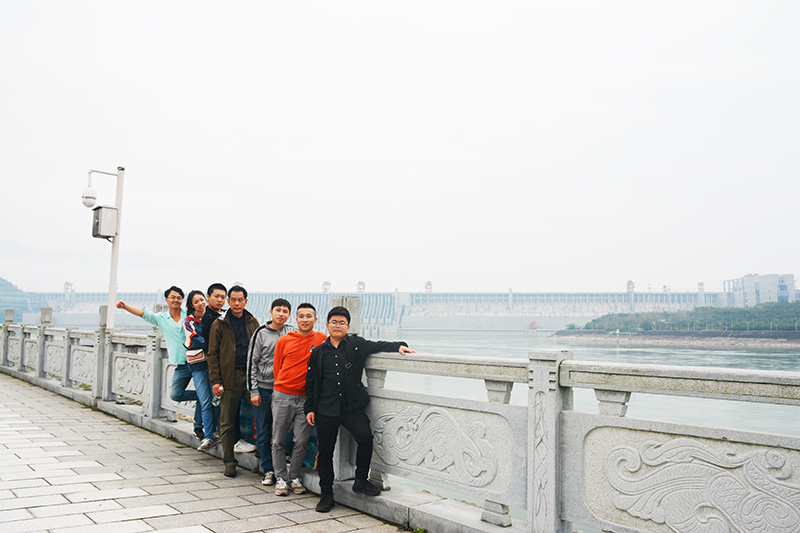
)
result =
(106, 225)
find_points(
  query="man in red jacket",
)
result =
(288, 397)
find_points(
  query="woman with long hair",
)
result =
(196, 348)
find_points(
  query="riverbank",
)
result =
(747, 340)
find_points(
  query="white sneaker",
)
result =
(281, 488)
(207, 444)
(244, 447)
(269, 479)
(297, 486)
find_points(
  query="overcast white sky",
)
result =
(539, 146)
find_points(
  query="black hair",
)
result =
(189, 307)
(173, 288)
(339, 311)
(307, 305)
(216, 286)
(280, 302)
(237, 288)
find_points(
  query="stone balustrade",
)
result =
(541, 461)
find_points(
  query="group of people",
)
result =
(297, 379)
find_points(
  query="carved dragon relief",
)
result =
(130, 376)
(691, 487)
(83, 363)
(431, 439)
(54, 359)
(13, 350)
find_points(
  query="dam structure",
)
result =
(386, 314)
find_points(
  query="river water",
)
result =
(748, 416)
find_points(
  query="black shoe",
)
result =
(326, 503)
(362, 485)
(198, 432)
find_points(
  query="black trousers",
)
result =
(357, 423)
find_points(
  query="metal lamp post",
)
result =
(106, 225)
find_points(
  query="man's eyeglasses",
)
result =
(337, 324)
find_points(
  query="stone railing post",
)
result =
(99, 388)
(495, 512)
(23, 337)
(152, 407)
(45, 317)
(9, 319)
(546, 400)
(376, 379)
(66, 372)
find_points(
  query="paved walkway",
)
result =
(67, 468)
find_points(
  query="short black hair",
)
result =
(216, 286)
(190, 310)
(280, 302)
(306, 305)
(339, 311)
(173, 288)
(237, 288)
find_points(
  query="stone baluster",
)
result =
(45, 317)
(495, 512)
(152, 406)
(66, 372)
(9, 319)
(101, 388)
(23, 337)
(612, 402)
(546, 400)
(376, 379)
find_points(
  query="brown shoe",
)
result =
(230, 471)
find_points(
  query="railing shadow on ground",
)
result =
(557, 465)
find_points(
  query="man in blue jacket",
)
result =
(335, 396)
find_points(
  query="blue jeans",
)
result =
(178, 392)
(204, 398)
(263, 416)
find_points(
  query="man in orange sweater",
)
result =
(288, 397)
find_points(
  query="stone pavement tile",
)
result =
(41, 452)
(14, 514)
(143, 501)
(132, 513)
(74, 508)
(28, 503)
(184, 477)
(205, 518)
(15, 468)
(122, 483)
(110, 494)
(383, 528)
(22, 483)
(226, 493)
(242, 480)
(311, 515)
(264, 523)
(75, 478)
(180, 487)
(360, 521)
(41, 524)
(187, 529)
(12, 459)
(269, 496)
(61, 465)
(285, 508)
(31, 474)
(130, 526)
(328, 526)
(228, 504)
(5, 493)
(53, 489)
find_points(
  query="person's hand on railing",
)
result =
(405, 349)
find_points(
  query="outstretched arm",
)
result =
(131, 309)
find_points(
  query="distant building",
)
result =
(754, 289)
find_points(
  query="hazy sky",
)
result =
(539, 146)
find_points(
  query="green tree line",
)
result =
(776, 316)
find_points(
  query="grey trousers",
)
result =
(287, 411)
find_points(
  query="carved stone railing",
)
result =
(554, 464)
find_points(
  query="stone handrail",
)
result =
(552, 463)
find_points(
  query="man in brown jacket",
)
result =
(227, 366)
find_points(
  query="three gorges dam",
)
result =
(385, 314)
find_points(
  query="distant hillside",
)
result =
(20, 301)
(776, 316)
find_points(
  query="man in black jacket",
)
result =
(335, 396)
